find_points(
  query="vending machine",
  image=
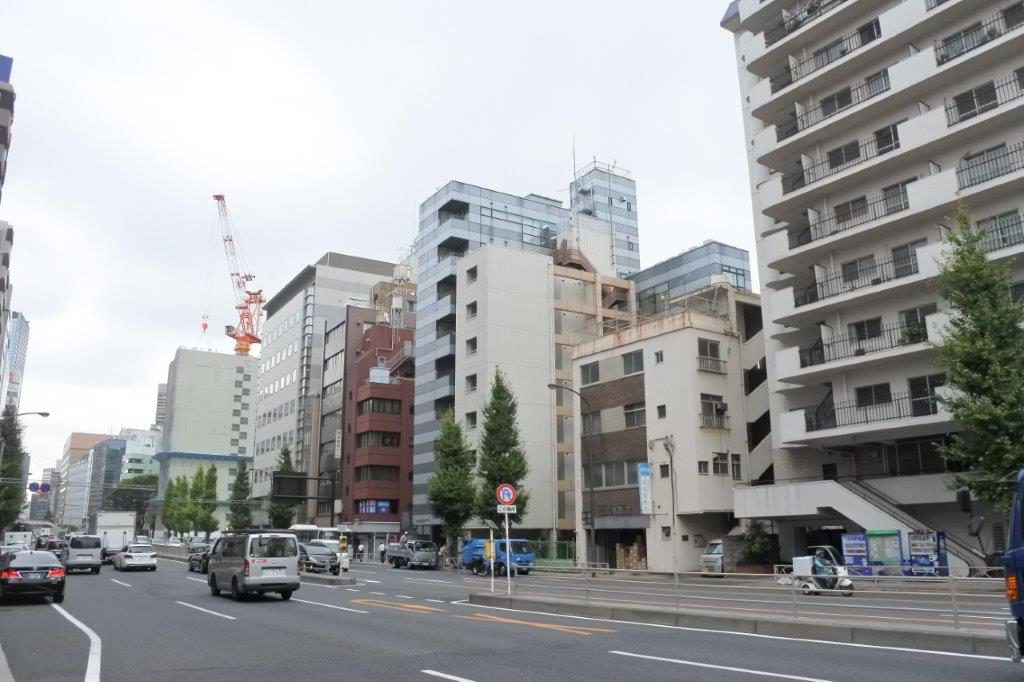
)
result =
(855, 553)
(927, 553)
(885, 551)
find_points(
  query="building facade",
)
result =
(103, 472)
(141, 445)
(75, 494)
(689, 272)
(185, 464)
(684, 395)
(6, 115)
(14, 359)
(161, 408)
(211, 400)
(607, 193)
(865, 123)
(76, 449)
(40, 504)
(291, 362)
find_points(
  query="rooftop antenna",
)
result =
(574, 155)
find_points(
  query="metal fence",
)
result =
(852, 215)
(851, 412)
(990, 166)
(977, 35)
(834, 105)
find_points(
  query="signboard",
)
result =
(646, 502)
(506, 509)
(855, 553)
(506, 494)
(339, 437)
(885, 548)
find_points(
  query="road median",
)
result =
(964, 641)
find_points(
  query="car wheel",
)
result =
(206, 568)
(96, 570)
(235, 592)
(58, 598)
(190, 567)
(286, 595)
(345, 570)
(214, 590)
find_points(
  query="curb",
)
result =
(934, 639)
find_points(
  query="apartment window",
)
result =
(849, 211)
(976, 101)
(378, 439)
(837, 101)
(590, 373)
(922, 394)
(471, 346)
(887, 139)
(828, 53)
(866, 329)
(471, 275)
(235, 427)
(236, 413)
(877, 82)
(663, 470)
(840, 156)
(869, 32)
(1002, 230)
(707, 348)
(245, 406)
(471, 310)
(1020, 78)
(709, 403)
(246, 377)
(471, 383)
(471, 420)
(244, 420)
(636, 415)
(662, 412)
(237, 398)
(243, 435)
(659, 357)
(859, 268)
(377, 472)
(633, 362)
(894, 197)
(239, 370)
(914, 320)
(877, 394)
(962, 41)
(702, 467)
(1013, 15)
(245, 391)
(380, 406)
(720, 464)
(234, 441)
(737, 469)
(610, 475)
(591, 423)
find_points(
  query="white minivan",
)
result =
(83, 553)
(254, 562)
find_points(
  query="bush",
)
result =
(758, 546)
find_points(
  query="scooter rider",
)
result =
(823, 567)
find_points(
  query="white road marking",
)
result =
(761, 673)
(198, 580)
(443, 676)
(329, 587)
(163, 558)
(428, 580)
(5, 670)
(113, 580)
(356, 570)
(351, 589)
(379, 594)
(200, 608)
(436, 601)
(367, 580)
(805, 640)
(92, 669)
(329, 606)
(404, 596)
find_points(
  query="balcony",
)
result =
(979, 34)
(797, 21)
(851, 413)
(832, 52)
(991, 165)
(985, 98)
(889, 337)
(838, 104)
(713, 421)
(852, 214)
(862, 276)
(843, 158)
(708, 364)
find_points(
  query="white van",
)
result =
(83, 552)
(254, 562)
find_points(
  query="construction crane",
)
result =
(248, 299)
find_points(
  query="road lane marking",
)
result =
(683, 628)
(163, 558)
(92, 668)
(114, 580)
(760, 673)
(200, 608)
(356, 570)
(408, 608)
(379, 594)
(5, 670)
(329, 606)
(351, 589)
(198, 580)
(329, 587)
(367, 580)
(443, 676)
(570, 629)
(436, 601)
(428, 580)
(404, 596)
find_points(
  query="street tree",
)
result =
(501, 455)
(281, 513)
(12, 492)
(451, 490)
(133, 493)
(983, 354)
(176, 512)
(204, 505)
(239, 513)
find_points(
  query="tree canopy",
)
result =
(501, 455)
(451, 490)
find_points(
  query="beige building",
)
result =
(76, 449)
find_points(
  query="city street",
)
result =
(400, 625)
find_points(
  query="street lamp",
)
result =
(3, 442)
(592, 542)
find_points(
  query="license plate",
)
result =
(33, 576)
(273, 571)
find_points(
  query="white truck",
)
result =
(115, 528)
(18, 537)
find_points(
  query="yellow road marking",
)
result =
(571, 629)
(405, 606)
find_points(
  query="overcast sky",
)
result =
(325, 124)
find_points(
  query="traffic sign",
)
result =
(506, 509)
(506, 494)
(33, 487)
(44, 488)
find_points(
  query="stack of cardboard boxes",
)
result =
(631, 557)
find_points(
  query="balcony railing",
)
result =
(932, 4)
(850, 413)
(890, 336)
(879, 206)
(708, 364)
(825, 56)
(866, 149)
(969, 39)
(798, 20)
(866, 275)
(991, 166)
(1004, 236)
(980, 100)
(826, 110)
(714, 421)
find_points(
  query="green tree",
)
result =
(240, 513)
(12, 492)
(134, 493)
(983, 355)
(204, 500)
(451, 490)
(175, 508)
(502, 459)
(281, 513)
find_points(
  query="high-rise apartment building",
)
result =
(6, 231)
(211, 401)
(291, 361)
(6, 115)
(688, 272)
(865, 123)
(161, 408)
(14, 359)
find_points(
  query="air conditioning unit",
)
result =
(721, 408)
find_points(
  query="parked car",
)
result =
(318, 559)
(136, 556)
(199, 557)
(254, 562)
(344, 560)
(142, 539)
(32, 572)
(413, 553)
(84, 552)
(56, 547)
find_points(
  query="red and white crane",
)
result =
(249, 299)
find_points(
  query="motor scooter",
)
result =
(839, 581)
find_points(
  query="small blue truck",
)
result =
(1013, 568)
(522, 557)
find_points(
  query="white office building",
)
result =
(865, 122)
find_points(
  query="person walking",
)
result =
(362, 551)
(382, 550)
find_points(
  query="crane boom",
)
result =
(249, 300)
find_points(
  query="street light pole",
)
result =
(592, 541)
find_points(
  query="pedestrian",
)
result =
(382, 550)
(362, 551)
(403, 539)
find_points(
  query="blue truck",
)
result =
(1013, 568)
(473, 557)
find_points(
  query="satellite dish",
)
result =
(975, 526)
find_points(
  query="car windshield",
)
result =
(424, 547)
(317, 549)
(28, 559)
(85, 543)
(714, 549)
(56, 544)
(273, 547)
(329, 535)
(520, 547)
(141, 549)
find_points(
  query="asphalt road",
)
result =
(401, 626)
